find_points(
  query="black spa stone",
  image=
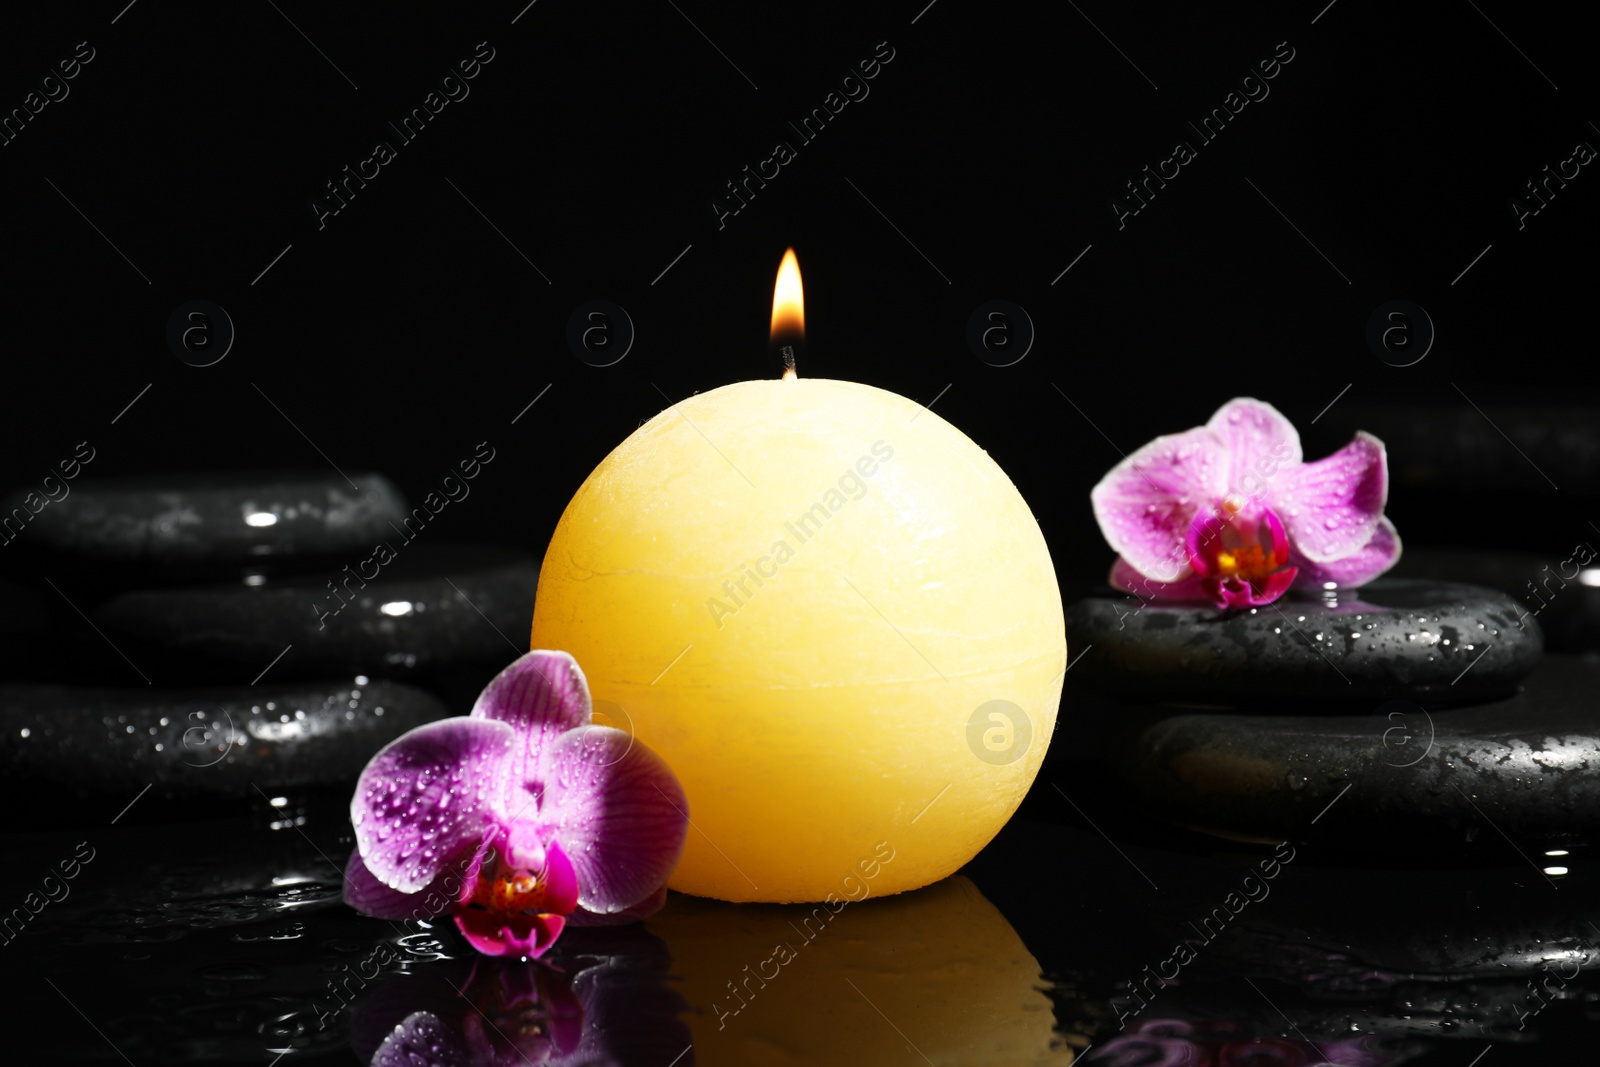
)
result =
(432, 609)
(1552, 587)
(1433, 642)
(1506, 778)
(195, 526)
(199, 741)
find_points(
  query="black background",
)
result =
(413, 324)
(407, 329)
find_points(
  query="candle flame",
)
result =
(788, 299)
(788, 312)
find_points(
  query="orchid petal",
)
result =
(421, 1040)
(363, 892)
(1258, 439)
(560, 879)
(541, 696)
(1332, 506)
(1235, 593)
(619, 812)
(539, 691)
(490, 853)
(496, 933)
(643, 910)
(426, 798)
(1144, 504)
(1380, 553)
(1125, 579)
(1276, 584)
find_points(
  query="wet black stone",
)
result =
(1434, 642)
(191, 742)
(1394, 777)
(196, 526)
(431, 610)
(1568, 610)
(1481, 920)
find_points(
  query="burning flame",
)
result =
(788, 299)
(788, 312)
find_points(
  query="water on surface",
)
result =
(218, 936)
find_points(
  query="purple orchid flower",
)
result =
(519, 818)
(1230, 512)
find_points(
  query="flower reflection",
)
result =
(1217, 1043)
(600, 999)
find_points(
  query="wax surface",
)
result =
(900, 584)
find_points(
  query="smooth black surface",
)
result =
(209, 935)
(1526, 768)
(1433, 642)
(200, 741)
(440, 610)
(225, 525)
(1552, 588)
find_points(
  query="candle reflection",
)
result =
(937, 972)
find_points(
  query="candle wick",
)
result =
(789, 374)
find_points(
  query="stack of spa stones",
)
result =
(223, 635)
(1413, 716)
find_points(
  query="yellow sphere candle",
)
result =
(831, 613)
